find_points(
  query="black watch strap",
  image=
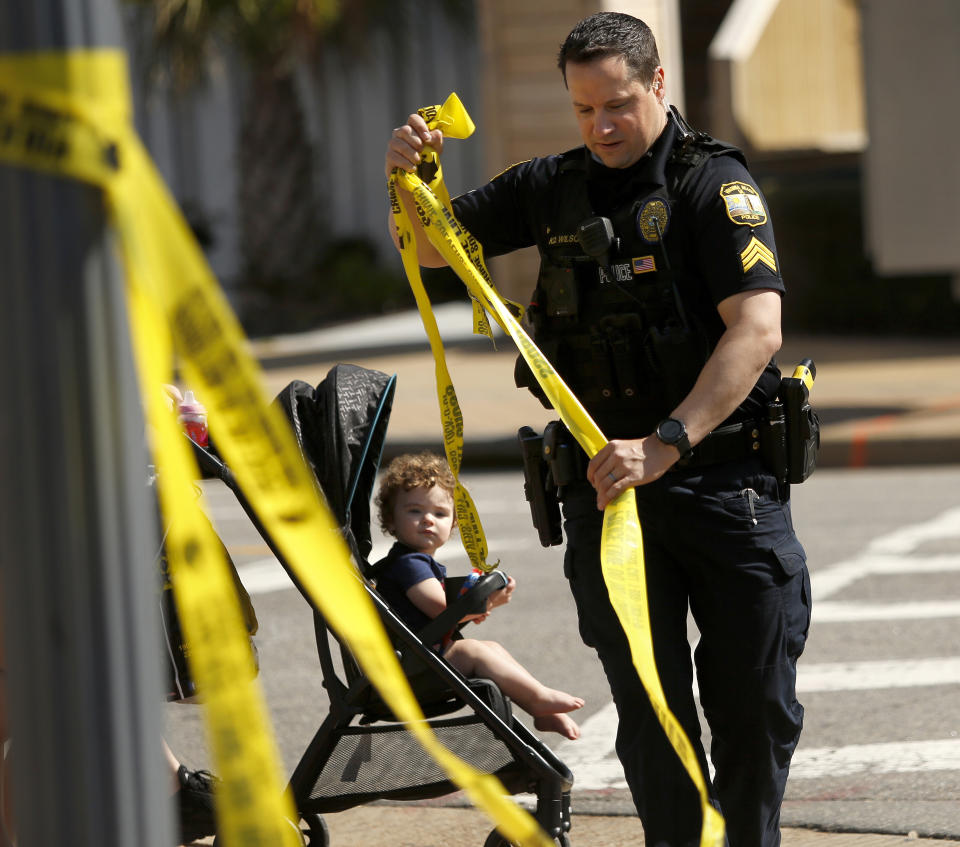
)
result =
(672, 431)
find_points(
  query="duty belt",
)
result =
(725, 444)
(730, 443)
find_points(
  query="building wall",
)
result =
(354, 103)
(787, 76)
(912, 170)
(192, 140)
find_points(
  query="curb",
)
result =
(848, 453)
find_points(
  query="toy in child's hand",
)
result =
(469, 582)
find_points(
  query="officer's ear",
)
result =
(657, 84)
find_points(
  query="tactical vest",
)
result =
(614, 325)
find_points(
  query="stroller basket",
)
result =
(375, 762)
(359, 753)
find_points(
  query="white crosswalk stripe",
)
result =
(860, 676)
(593, 759)
(830, 612)
(890, 757)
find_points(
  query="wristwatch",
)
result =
(672, 431)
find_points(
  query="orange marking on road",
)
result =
(861, 437)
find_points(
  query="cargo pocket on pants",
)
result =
(796, 592)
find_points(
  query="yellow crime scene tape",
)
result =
(453, 118)
(69, 114)
(621, 550)
(468, 519)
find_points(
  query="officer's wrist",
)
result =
(671, 432)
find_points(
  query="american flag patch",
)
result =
(644, 265)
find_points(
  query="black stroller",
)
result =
(360, 753)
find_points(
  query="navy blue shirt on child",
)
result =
(401, 569)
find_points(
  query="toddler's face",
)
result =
(423, 518)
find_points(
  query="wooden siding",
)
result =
(800, 86)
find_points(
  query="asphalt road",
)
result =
(880, 678)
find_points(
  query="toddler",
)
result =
(415, 502)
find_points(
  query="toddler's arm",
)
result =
(429, 597)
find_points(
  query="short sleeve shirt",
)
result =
(719, 228)
(724, 212)
(400, 570)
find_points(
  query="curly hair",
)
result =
(409, 471)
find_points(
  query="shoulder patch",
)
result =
(757, 251)
(744, 206)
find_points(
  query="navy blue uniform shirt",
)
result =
(720, 223)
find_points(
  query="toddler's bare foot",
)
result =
(549, 701)
(561, 723)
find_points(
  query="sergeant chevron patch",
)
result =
(757, 251)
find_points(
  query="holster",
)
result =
(803, 430)
(539, 488)
(566, 462)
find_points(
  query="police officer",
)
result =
(658, 301)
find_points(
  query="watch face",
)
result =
(670, 431)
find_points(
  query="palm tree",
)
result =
(279, 217)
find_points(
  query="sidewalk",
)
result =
(417, 826)
(420, 825)
(881, 401)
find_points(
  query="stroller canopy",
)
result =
(341, 428)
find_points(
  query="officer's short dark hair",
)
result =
(612, 34)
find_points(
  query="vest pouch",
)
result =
(560, 291)
(583, 362)
(623, 365)
(523, 377)
(571, 355)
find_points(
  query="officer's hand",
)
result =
(623, 464)
(407, 142)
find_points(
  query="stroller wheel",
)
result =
(318, 834)
(495, 839)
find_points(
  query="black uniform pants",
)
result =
(743, 573)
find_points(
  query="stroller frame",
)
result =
(360, 753)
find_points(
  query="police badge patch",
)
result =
(652, 219)
(744, 205)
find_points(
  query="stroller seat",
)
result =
(360, 753)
